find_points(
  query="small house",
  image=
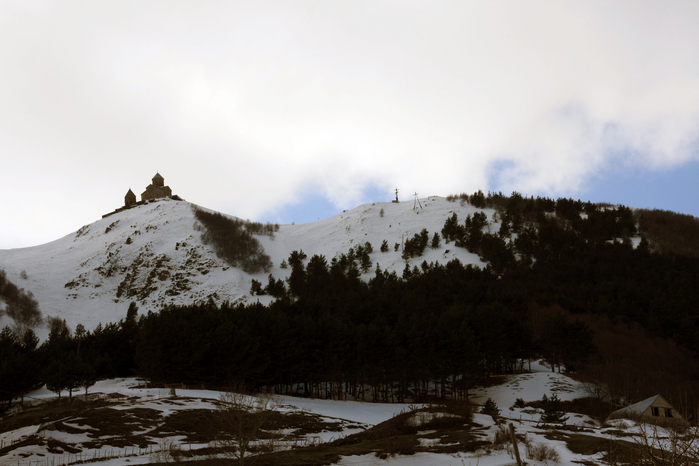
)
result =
(653, 410)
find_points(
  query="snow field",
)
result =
(529, 387)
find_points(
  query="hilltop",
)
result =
(153, 254)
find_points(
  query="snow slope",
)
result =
(351, 416)
(152, 254)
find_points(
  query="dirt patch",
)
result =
(401, 434)
(196, 425)
(110, 422)
(620, 451)
(306, 423)
(58, 447)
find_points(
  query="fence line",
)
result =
(81, 457)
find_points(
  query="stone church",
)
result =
(155, 190)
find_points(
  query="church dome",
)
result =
(158, 180)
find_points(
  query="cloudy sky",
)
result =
(290, 111)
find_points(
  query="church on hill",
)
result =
(155, 190)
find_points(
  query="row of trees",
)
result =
(332, 335)
(19, 365)
(566, 259)
(66, 361)
(516, 211)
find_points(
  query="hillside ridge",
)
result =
(153, 254)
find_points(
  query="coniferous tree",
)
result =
(490, 408)
(435, 241)
(58, 358)
(275, 288)
(451, 228)
(9, 366)
(28, 362)
(384, 246)
(256, 288)
(297, 278)
(478, 199)
(318, 274)
(366, 263)
(553, 412)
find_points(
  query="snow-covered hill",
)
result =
(148, 413)
(153, 254)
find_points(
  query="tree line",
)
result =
(432, 332)
(67, 360)
(436, 328)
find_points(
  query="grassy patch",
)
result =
(49, 412)
(305, 423)
(620, 451)
(58, 447)
(195, 424)
(110, 422)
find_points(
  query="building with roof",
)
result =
(653, 410)
(129, 199)
(156, 189)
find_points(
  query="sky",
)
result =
(292, 111)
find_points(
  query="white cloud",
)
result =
(250, 103)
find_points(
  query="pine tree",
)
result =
(9, 365)
(256, 288)
(275, 288)
(435, 241)
(384, 246)
(490, 408)
(553, 413)
(451, 228)
(366, 262)
(297, 278)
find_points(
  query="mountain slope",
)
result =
(153, 254)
